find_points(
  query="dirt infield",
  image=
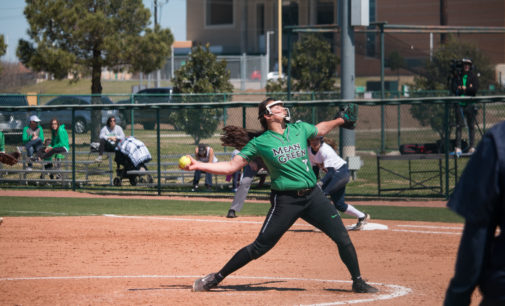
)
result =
(120, 260)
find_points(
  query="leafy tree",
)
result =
(313, 70)
(3, 48)
(83, 37)
(314, 65)
(202, 73)
(430, 115)
(395, 61)
(437, 77)
(438, 70)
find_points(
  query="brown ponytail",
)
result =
(237, 137)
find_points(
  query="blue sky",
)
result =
(13, 25)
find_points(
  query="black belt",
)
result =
(295, 193)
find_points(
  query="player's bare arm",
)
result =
(211, 155)
(196, 154)
(325, 127)
(225, 168)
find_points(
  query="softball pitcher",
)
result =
(283, 148)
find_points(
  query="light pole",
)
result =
(347, 74)
(158, 74)
(279, 36)
(268, 50)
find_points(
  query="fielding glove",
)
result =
(9, 159)
(350, 115)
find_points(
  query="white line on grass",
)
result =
(35, 212)
(395, 290)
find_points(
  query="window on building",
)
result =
(325, 12)
(219, 12)
(371, 38)
(325, 15)
(289, 13)
(260, 15)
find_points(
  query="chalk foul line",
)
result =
(393, 291)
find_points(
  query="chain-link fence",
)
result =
(246, 71)
(401, 144)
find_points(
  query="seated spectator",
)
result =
(110, 136)
(33, 138)
(203, 153)
(2, 142)
(59, 140)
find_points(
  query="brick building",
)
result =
(240, 26)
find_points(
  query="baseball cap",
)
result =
(34, 118)
(466, 61)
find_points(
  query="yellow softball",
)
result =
(184, 161)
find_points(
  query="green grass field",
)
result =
(31, 206)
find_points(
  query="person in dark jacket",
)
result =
(480, 198)
(465, 84)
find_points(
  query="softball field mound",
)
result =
(136, 260)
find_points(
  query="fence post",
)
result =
(483, 118)
(446, 145)
(289, 66)
(225, 113)
(381, 27)
(244, 117)
(73, 149)
(312, 95)
(131, 116)
(399, 126)
(243, 74)
(158, 148)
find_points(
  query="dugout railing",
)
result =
(383, 126)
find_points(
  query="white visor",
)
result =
(287, 117)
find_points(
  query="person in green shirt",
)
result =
(283, 148)
(59, 140)
(2, 142)
(33, 138)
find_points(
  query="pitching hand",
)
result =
(193, 165)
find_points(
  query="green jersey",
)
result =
(2, 142)
(60, 138)
(285, 156)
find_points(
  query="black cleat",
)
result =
(362, 222)
(205, 283)
(231, 214)
(360, 286)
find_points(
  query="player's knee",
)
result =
(246, 180)
(342, 240)
(341, 206)
(256, 249)
(345, 242)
